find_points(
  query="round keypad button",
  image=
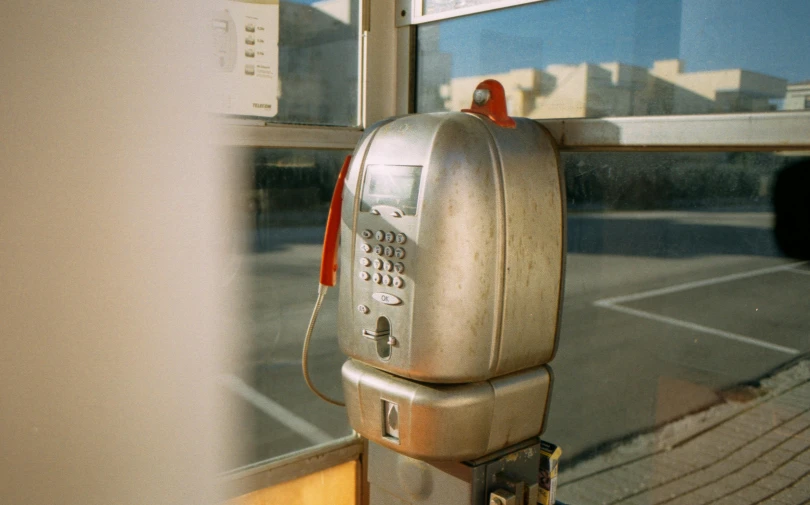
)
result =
(365, 247)
(389, 236)
(387, 280)
(389, 266)
(367, 233)
(362, 309)
(401, 238)
(377, 278)
(400, 253)
(378, 264)
(398, 282)
(380, 235)
(365, 261)
(399, 267)
(389, 251)
(378, 249)
(364, 275)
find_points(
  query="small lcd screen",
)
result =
(392, 185)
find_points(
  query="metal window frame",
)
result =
(412, 12)
(292, 466)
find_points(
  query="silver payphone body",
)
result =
(452, 248)
(452, 259)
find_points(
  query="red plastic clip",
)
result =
(330, 237)
(489, 100)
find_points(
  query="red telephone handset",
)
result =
(330, 237)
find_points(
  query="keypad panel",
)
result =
(377, 254)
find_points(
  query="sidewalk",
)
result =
(736, 453)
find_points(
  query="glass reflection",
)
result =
(578, 58)
(676, 290)
(286, 206)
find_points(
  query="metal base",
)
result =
(507, 477)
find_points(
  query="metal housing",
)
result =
(484, 257)
(447, 421)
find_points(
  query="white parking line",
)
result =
(613, 304)
(274, 410)
(700, 328)
(797, 271)
(698, 284)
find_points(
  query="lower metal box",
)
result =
(446, 422)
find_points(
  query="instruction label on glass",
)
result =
(245, 58)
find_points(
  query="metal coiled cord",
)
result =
(321, 294)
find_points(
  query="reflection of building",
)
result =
(798, 96)
(590, 90)
(318, 63)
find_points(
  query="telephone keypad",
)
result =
(381, 264)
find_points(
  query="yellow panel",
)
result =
(336, 485)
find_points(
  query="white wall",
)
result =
(112, 230)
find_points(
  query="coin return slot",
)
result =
(390, 421)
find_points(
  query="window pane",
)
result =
(596, 58)
(287, 202)
(318, 53)
(677, 293)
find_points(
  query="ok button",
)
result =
(386, 298)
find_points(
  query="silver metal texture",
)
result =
(447, 422)
(483, 261)
(396, 479)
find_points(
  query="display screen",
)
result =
(392, 185)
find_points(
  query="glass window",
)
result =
(317, 64)
(596, 58)
(678, 291)
(286, 204)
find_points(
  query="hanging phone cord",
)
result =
(321, 293)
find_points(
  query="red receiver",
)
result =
(330, 237)
(489, 100)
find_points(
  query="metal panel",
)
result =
(767, 131)
(446, 422)
(412, 12)
(292, 466)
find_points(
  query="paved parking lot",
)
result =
(663, 311)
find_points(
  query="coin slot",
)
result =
(383, 346)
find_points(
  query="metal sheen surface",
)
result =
(484, 253)
(447, 422)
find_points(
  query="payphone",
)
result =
(452, 250)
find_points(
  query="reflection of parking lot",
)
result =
(754, 302)
(661, 310)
